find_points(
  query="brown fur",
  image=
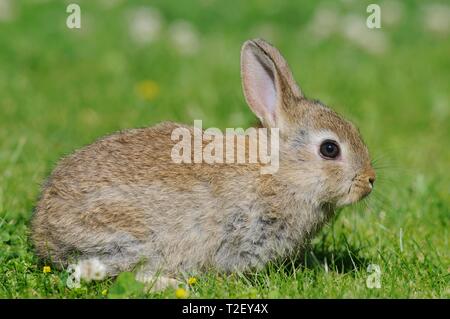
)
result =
(122, 199)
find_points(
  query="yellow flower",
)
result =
(147, 90)
(181, 293)
(46, 269)
(104, 292)
(192, 281)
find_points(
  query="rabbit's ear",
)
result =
(266, 80)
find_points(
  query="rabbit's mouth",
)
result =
(358, 190)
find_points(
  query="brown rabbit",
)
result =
(122, 201)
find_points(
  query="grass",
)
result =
(60, 89)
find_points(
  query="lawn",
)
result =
(136, 63)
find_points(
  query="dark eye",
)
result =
(329, 149)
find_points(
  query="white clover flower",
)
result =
(436, 18)
(194, 111)
(110, 3)
(348, 2)
(93, 269)
(371, 40)
(73, 280)
(391, 12)
(89, 269)
(7, 12)
(266, 31)
(440, 108)
(184, 37)
(324, 23)
(145, 25)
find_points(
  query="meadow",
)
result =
(137, 63)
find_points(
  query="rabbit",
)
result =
(122, 202)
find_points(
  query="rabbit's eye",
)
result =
(329, 149)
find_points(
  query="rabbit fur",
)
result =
(123, 202)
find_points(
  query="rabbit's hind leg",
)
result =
(154, 282)
(155, 276)
(101, 267)
(98, 263)
(98, 268)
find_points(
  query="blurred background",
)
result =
(136, 63)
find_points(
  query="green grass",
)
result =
(60, 89)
